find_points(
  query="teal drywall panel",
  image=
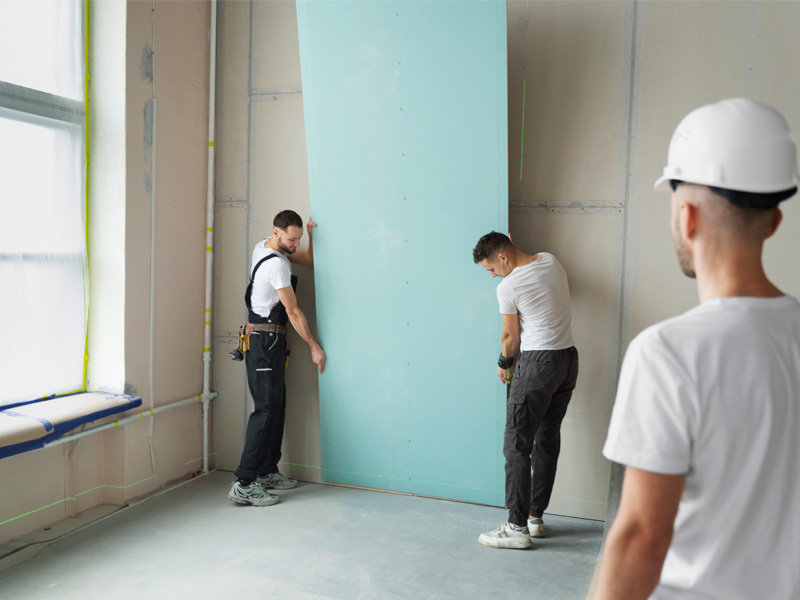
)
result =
(406, 133)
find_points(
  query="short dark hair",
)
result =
(489, 244)
(760, 201)
(285, 218)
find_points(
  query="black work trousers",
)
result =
(540, 393)
(266, 376)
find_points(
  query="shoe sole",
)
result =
(509, 544)
(251, 503)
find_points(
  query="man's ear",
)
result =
(688, 220)
(776, 220)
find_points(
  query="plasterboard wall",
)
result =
(261, 170)
(605, 83)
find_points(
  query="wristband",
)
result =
(505, 362)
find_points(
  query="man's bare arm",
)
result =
(300, 323)
(640, 537)
(510, 340)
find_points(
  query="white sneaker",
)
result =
(251, 494)
(536, 528)
(506, 536)
(276, 481)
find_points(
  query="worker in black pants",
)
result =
(271, 304)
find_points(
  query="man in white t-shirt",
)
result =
(271, 304)
(535, 304)
(707, 415)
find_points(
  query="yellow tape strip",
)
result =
(87, 78)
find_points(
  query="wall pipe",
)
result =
(141, 415)
(212, 86)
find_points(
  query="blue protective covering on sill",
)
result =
(52, 430)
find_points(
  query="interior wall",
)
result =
(261, 170)
(567, 195)
(604, 84)
(260, 124)
(46, 486)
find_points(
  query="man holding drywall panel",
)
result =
(707, 413)
(271, 304)
(535, 304)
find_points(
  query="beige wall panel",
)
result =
(279, 172)
(181, 88)
(276, 49)
(232, 257)
(694, 53)
(571, 58)
(231, 261)
(178, 442)
(233, 48)
(279, 180)
(301, 442)
(139, 90)
(177, 451)
(230, 408)
(88, 454)
(586, 244)
(114, 477)
(38, 476)
(138, 475)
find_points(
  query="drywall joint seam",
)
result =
(273, 93)
(622, 291)
(226, 335)
(575, 208)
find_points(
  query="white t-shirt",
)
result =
(714, 395)
(272, 275)
(539, 293)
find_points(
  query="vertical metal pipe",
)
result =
(212, 84)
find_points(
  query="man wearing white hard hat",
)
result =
(707, 415)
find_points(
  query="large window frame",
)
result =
(31, 348)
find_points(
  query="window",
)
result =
(43, 254)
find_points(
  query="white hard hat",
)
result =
(736, 145)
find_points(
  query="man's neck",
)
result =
(519, 259)
(736, 276)
(273, 244)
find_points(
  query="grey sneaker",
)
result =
(252, 494)
(276, 481)
(506, 537)
(536, 528)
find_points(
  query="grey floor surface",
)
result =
(320, 542)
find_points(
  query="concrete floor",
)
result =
(320, 542)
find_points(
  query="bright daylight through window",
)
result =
(43, 255)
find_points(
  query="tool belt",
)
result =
(270, 327)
